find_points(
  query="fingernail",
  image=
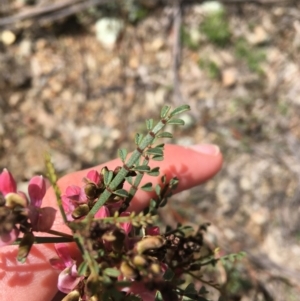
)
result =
(207, 149)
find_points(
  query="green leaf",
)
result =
(111, 272)
(158, 296)
(155, 151)
(164, 179)
(129, 180)
(168, 275)
(141, 168)
(152, 205)
(158, 189)
(138, 138)
(149, 124)
(164, 111)
(107, 176)
(157, 158)
(164, 135)
(121, 192)
(176, 121)
(153, 172)
(82, 269)
(122, 153)
(147, 187)
(161, 145)
(180, 110)
(190, 290)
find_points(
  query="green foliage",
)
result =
(187, 39)
(253, 56)
(216, 28)
(210, 67)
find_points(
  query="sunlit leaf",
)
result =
(164, 111)
(122, 153)
(180, 110)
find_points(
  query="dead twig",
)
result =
(51, 11)
(177, 20)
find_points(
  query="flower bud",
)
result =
(150, 242)
(128, 271)
(91, 191)
(7, 182)
(80, 211)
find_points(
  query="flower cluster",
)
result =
(20, 214)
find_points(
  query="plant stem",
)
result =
(46, 240)
(148, 139)
(58, 233)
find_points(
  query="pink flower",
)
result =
(73, 197)
(41, 219)
(68, 278)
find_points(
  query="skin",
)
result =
(36, 280)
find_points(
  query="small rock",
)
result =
(108, 31)
(25, 48)
(8, 37)
(211, 7)
(229, 77)
(258, 37)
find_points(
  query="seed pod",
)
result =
(139, 261)
(91, 191)
(149, 243)
(155, 268)
(80, 211)
(72, 296)
(128, 271)
(118, 243)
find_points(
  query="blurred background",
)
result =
(78, 78)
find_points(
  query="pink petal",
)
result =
(152, 231)
(126, 226)
(75, 193)
(67, 282)
(37, 190)
(102, 212)
(68, 207)
(57, 263)
(7, 239)
(7, 182)
(63, 252)
(23, 195)
(45, 219)
(72, 191)
(94, 176)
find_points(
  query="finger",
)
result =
(37, 280)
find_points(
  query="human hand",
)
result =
(36, 280)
